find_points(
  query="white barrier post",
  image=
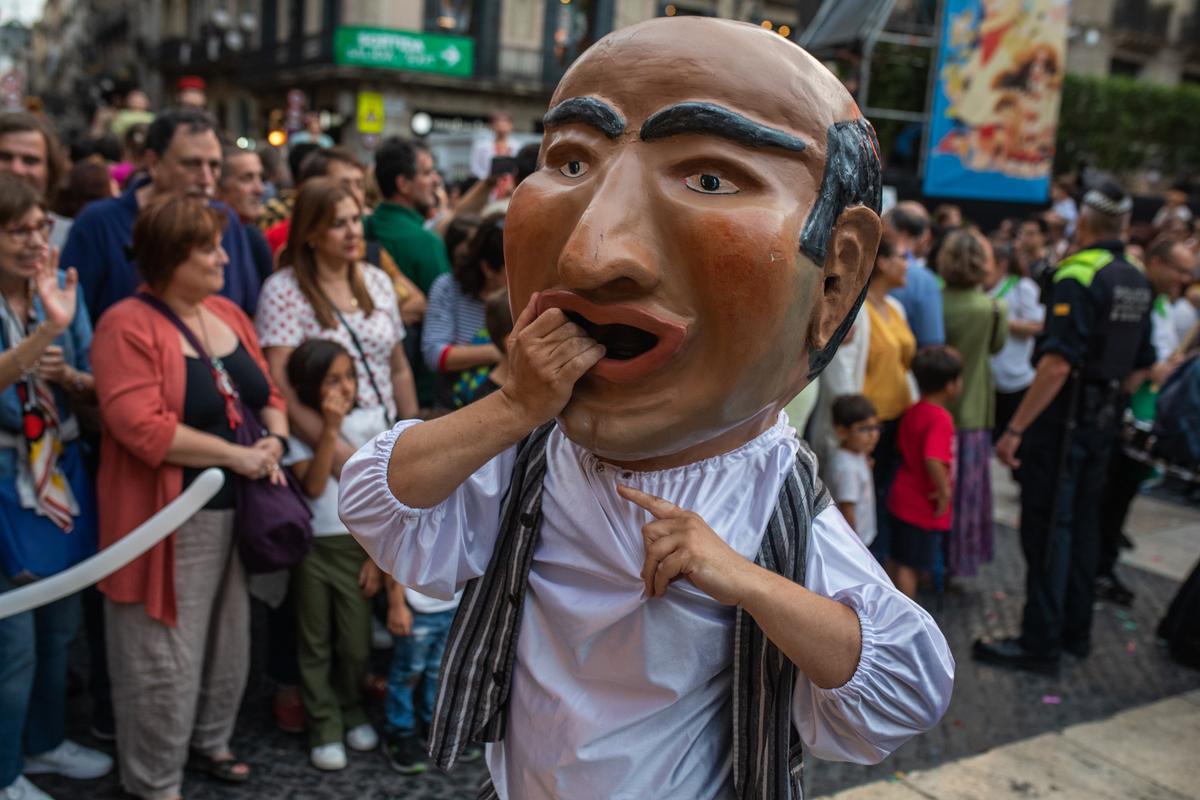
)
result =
(111, 559)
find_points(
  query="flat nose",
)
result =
(612, 248)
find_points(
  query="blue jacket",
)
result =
(98, 247)
(922, 300)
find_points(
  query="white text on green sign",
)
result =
(394, 49)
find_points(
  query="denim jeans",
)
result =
(33, 681)
(412, 683)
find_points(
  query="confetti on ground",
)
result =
(1121, 614)
(1130, 625)
(992, 616)
(1156, 559)
(999, 596)
(958, 723)
(1131, 648)
(1051, 700)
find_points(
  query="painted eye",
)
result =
(573, 169)
(706, 183)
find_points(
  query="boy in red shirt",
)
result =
(920, 500)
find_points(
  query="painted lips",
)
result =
(644, 340)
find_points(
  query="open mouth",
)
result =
(636, 341)
(621, 342)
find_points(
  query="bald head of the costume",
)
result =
(709, 192)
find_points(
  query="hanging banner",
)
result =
(996, 98)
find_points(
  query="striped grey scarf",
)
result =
(476, 672)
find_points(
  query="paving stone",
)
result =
(1047, 766)
(887, 790)
(1158, 742)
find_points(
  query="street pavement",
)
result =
(1005, 734)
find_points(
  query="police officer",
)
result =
(1097, 340)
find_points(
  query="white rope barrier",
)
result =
(111, 559)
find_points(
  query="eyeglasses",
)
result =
(25, 233)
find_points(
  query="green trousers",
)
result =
(334, 630)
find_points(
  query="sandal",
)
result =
(228, 770)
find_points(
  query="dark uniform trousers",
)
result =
(1061, 563)
(1099, 320)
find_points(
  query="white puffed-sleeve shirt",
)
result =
(615, 695)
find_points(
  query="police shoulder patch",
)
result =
(1062, 309)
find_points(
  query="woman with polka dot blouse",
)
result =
(322, 291)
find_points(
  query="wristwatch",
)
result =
(283, 442)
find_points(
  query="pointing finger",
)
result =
(660, 508)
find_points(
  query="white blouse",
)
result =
(618, 696)
(285, 318)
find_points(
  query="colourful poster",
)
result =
(996, 98)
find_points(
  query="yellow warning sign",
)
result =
(370, 112)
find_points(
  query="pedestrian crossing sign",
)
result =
(370, 113)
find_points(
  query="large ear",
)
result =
(848, 265)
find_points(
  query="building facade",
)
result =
(425, 66)
(1154, 40)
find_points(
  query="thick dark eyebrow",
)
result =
(713, 120)
(588, 111)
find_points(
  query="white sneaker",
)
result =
(329, 757)
(22, 789)
(362, 738)
(70, 760)
(381, 637)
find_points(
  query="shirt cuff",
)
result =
(377, 472)
(866, 660)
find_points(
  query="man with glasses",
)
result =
(30, 150)
(183, 154)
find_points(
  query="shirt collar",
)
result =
(402, 212)
(129, 198)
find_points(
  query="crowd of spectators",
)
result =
(169, 288)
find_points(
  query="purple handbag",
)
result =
(272, 524)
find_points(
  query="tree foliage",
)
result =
(1121, 125)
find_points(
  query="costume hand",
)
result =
(546, 356)
(1006, 450)
(399, 619)
(680, 544)
(53, 367)
(59, 303)
(334, 408)
(370, 578)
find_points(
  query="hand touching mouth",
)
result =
(637, 341)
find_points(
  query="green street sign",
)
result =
(386, 48)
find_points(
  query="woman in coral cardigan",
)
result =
(178, 617)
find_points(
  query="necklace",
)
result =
(325, 287)
(225, 385)
(216, 362)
